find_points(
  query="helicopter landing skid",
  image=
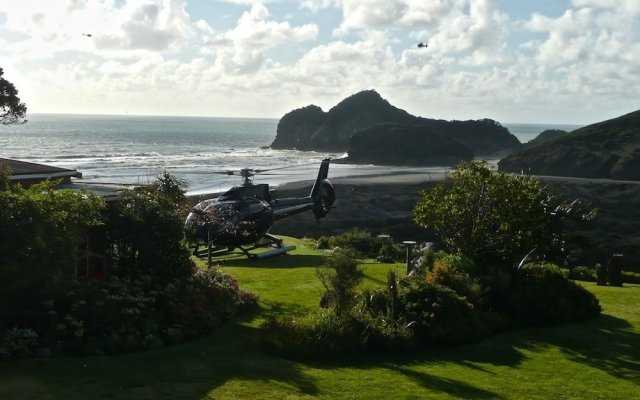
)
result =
(272, 253)
(267, 240)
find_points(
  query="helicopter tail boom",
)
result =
(320, 200)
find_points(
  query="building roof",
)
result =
(23, 170)
(108, 191)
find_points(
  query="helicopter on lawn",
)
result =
(241, 217)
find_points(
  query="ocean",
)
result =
(198, 150)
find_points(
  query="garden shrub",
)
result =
(390, 252)
(326, 334)
(582, 273)
(437, 314)
(406, 314)
(445, 273)
(339, 276)
(41, 230)
(423, 259)
(360, 240)
(323, 243)
(128, 314)
(541, 295)
(145, 230)
(631, 277)
(19, 343)
(601, 274)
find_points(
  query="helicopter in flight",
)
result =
(241, 217)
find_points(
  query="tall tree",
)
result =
(497, 219)
(12, 111)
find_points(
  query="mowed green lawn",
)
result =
(599, 359)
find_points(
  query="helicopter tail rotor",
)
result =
(323, 194)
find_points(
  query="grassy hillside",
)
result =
(608, 149)
(598, 359)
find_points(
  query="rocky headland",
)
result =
(310, 128)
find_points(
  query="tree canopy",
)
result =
(12, 111)
(495, 218)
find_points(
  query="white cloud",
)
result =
(317, 5)
(155, 25)
(479, 37)
(52, 28)
(628, 7)
(241, 49)
(358, 14)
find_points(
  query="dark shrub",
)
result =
(19, 343)
(582, 273)
(207, 299)
(631, 277)
(390, 252)
(323, 243)
(437, 314)
(541, 295)
(125, 314)
(358, 239)
(325, 334)
(449, 271)
(42, 232)
(315, 335)
(601, 274)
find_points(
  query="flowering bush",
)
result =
(126, 314)
(20, 342)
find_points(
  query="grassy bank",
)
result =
(598, 359)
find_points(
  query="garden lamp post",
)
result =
(409, 244)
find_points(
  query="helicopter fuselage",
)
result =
(230, 222)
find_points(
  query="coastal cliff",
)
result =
(608, 149)
(310, 128)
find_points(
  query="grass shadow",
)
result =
(607, 343)
(449, 386)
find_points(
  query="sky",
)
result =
(543, 61)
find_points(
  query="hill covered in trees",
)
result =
(310, 128)
(608, 149)
(544, 136)
(392, 144)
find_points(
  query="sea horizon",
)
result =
(126, 115)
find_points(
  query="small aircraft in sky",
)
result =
(241, 217)
(87, 34)
(421, 45)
